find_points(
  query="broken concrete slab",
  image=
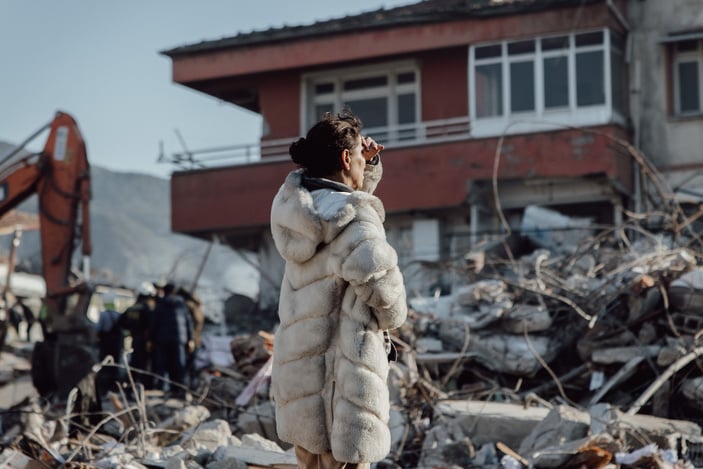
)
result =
(209, 435)
(488, 422)
(180, 420)
(666, 433)
(623, 355)
(259, 419)
(526, 318)
(428, 345)
(259, 457)
(514, 354)
(562, 424)
(228, 463)
(446, 444)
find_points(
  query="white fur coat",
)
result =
(341, 289)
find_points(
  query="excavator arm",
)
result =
(60, 177)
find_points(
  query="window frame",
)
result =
(679, 57)
(391, 91)
(508, 121)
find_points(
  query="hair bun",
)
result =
(299, 152)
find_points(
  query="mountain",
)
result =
(132, 241)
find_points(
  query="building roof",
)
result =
(426, 11)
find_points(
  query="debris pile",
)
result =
(578, 352)
(551, 359)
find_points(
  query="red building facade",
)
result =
(481, 105)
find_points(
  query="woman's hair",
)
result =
(318, 152)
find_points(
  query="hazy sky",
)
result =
(99, 61)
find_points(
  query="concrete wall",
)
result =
(673, 144)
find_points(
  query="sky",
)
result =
(100, 61)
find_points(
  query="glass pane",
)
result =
(590, 87)
(324, 88)
(489, 90)
(589, 39)
(406, 108)
(555, 43)
(372, 111)
(522, 86)
(689, 99)
(406, 77)
(556, 82)
(485, 52)
(521, 47)
(368, 82)
(406, 115)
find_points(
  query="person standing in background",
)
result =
(171, 337)
(198, 317)
(110, 343)
(136, 320)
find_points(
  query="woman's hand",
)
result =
(369, 148)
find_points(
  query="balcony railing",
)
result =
(398, 136)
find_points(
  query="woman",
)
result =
(341, 290)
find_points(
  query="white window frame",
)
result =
(391, 91)
(542, 118)
(687, 56)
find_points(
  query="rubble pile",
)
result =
(553, 359)
(572, 353)
(133, 428)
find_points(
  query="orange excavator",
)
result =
(60, 177)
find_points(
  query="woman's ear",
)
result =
(346, 160)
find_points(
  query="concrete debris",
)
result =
(560, 349)
(490, 422)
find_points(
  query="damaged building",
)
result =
(542, 190)
(531, 95)
(551, 119)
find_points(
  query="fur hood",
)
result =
(341, 289)
(298, 227)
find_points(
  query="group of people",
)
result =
(165, 325)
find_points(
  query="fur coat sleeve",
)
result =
(370, 265)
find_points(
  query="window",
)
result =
(385, 98)
(555, 70)
(687, 63)
(426, 239)
(522, 75)
(573, 78)
(489, 81)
